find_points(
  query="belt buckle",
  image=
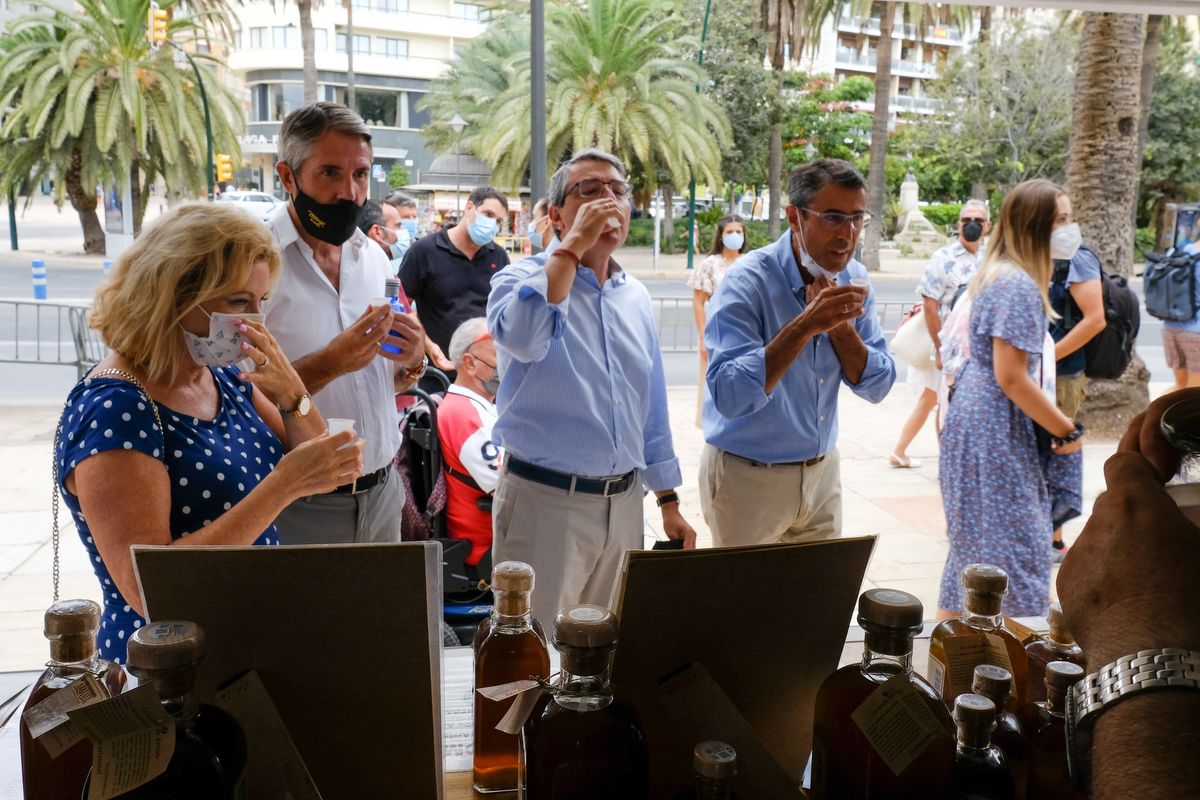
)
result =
(354, 486)
(609, 483)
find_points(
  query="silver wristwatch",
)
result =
(1144, 671)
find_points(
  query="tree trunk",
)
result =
(308, 45)
(668, 212)
(350, 99)
(774, 180)
(985, 25)
(1102, 176)
(83, 200)
(1154, 27)
(876, 176)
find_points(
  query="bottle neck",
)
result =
(713, 788)
(67, 669)
(586, 671)
(974, 738)
(511, 611)
(74, 652)
(176, 689)
(1056, 701)
(887, 650)
(983, 611)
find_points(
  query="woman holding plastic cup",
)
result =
(166, 441)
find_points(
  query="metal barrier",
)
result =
(38, 332)
(677, 327)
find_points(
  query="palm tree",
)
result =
(617, 80)
(88, 98)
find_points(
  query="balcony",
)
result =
(920, 69)
(908, 103)
(944, 34)
(870, 27)
(365, 64)
(851, 59)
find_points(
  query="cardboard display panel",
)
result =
(346, 639)
(767, 623)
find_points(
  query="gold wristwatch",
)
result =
(303, 406)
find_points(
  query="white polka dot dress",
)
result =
(200, 456)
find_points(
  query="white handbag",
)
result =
(912, 343)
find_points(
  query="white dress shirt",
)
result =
(305, 312)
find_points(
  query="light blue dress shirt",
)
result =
(798, 420)
(582, 389)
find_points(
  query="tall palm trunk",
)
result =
(1154, 28)
(1102, 176)
(83, 200)
(308, 46)
(876, 179)
(668, 212)
(775, 155)
(350, 99)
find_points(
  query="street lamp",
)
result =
(457, 124)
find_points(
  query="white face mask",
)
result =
(810, 263)
(1065, 241)
(223, 345)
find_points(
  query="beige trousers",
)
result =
(747, 503)
(575, 543)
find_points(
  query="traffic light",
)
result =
(224, 167)
(156, 28)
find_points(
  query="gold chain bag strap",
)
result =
(54, 492)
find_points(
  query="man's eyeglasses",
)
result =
(980, 220)
(834, 220)
(592, 187)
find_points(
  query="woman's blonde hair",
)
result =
(190, 255)
(1021, 238)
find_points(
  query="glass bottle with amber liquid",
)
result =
(995, 683)
(977, 636)
(1057, 645)
(510, 648)
(1045, 725)
(70, 627)
(846, 763)
(714, 767)
(583, 741)
(209, 762)
(980, 769)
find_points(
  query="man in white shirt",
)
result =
(326, 314)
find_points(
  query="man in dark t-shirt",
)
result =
(448, 275)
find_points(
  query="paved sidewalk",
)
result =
(902, 507)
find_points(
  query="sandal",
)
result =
(903, 462)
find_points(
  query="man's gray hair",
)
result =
(558, 183)
(399, 199)
(976, 203)
(465, 336)
(303, 127)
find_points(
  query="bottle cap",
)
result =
(391, 287)
(72, 618)
(585, 626)
(512, 576)
(890, 608)
(974, 712)
(1061, 675)
(167, 645)
(985, 579)
(1057, 621)
(714, 760)
(992, 682)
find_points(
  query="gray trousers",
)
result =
(372, 516)
(575, 543)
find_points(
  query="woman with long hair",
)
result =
(728, 243)
(994, 477)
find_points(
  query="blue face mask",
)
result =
(410, 225)
(535, 238)
(483, 229)
(733, 241)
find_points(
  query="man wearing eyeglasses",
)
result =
(788, 326)
(583, 399)
(944, 281)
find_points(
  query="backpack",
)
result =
(1109, 352)
(1169, 284)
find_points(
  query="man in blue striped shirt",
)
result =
(790, 323)
(583, 399)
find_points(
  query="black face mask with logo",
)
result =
(972, 231)
(332, 223)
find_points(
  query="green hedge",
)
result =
(942, 214)
(641, 234)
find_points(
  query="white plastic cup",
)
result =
(863, 283)
(1187, 497)
(339, 424)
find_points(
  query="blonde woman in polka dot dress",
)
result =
(179, 311)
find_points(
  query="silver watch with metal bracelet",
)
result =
(1144, 671)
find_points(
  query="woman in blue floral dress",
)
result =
(994, 481)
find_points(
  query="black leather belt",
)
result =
(812, 462)
(363, 482)
(607, 487)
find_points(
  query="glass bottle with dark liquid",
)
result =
(714, 766)
(995, 683)
(70, 627)
(583, 741)
(980, 769)
(509, 649)
(845, 765)
(1045, 724)
(951, 672)
(1057, 645)
(209, 762)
